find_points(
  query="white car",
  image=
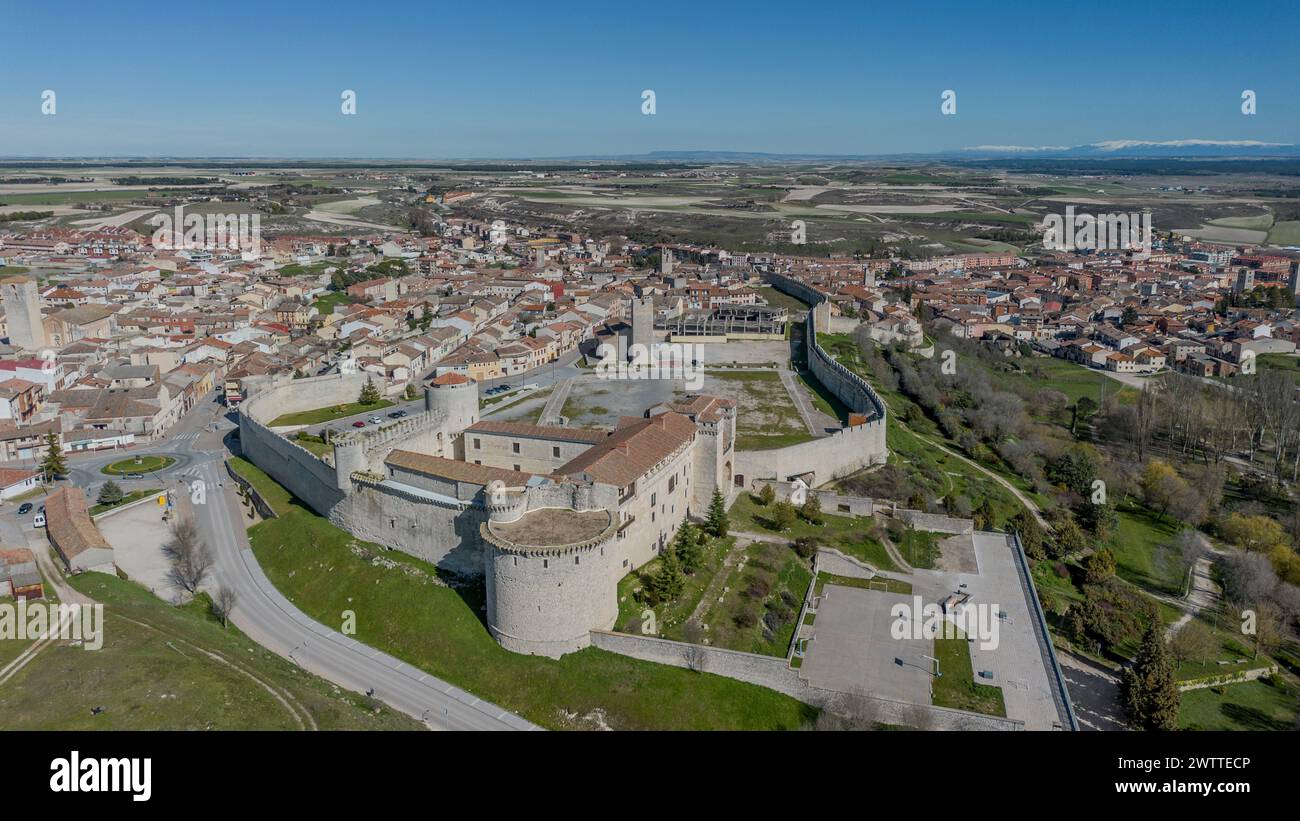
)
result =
(375, 420)
(39, 519)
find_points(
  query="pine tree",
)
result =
(53, 465)
(812, 509)
(767, 495)
(717, 524)
(1148, 690)
(369, 393)
(667, 582)
(783, 515)
(686, 547)
(111, 493)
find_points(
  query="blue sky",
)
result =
(506, 79)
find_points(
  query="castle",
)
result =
(552, 517)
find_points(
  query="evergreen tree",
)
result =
(667, 582)
(53, 465)
(1031, 534)
(985, 516)
(369, 393)
(717, 523)
(782, 515)
(111, 493)
(1100, 566)
(1148, 690)
(767, 495)
(812, 509)
(686, 547)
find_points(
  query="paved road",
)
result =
(263, 612)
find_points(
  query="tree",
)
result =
(1147, 689)
(54, 465)
(667, 582)
(1161, 486)
(1259, 533)
(409, 393)
(811, 509)
(686, 547)
(190, 558)
(766, 496)
(1100, 566)
(369, 393)
(985, 515)
(717, 523)
(783, 515)
(1194, 642)
(1069, 538)
(223, 604)
(111, 493)
(1031, 534)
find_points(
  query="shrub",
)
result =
(746, 618)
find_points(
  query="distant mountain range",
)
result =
(1110, 149)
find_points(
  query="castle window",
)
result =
(546, 563)
(514, 446)
(516, 558)
(516, 468)
(575, 560)
(843, 508)
(555, 451)
(672, 483)
(477, 444)
(653, 498)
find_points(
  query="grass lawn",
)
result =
(1253, 705)
(154, 672)
(441, 630)
(326, 304)
(329, 414)
(1138, 558)
(850, 535)
(145, 464)
(133, 496)
(314, 444)
(879, 583)
(919, 548)
(957, 687)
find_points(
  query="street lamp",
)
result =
(937, 674)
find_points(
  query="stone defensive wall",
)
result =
(289, 464)
(774, 672)
(846, 451)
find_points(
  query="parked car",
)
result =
(39, 521)
(374, 420)
(358, 424)
(24, 508)
(134, 476)
(396, 415)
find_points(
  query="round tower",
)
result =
(455, 396)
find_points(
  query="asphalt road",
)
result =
(261, 611)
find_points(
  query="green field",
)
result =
(175, 668)
(1137, 559)
(145, 464)
(1285, 233)
(768, 584)
(404, 612)
(848, 534)
(1253, 705)
(326, 304)
(956, 687)
(315, 417)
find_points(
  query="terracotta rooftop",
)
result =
(552, 432)
(455, 470)
(632, 450)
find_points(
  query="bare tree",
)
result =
(1193, 642)
(697, 658)
(223, 604)
(191, 560)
